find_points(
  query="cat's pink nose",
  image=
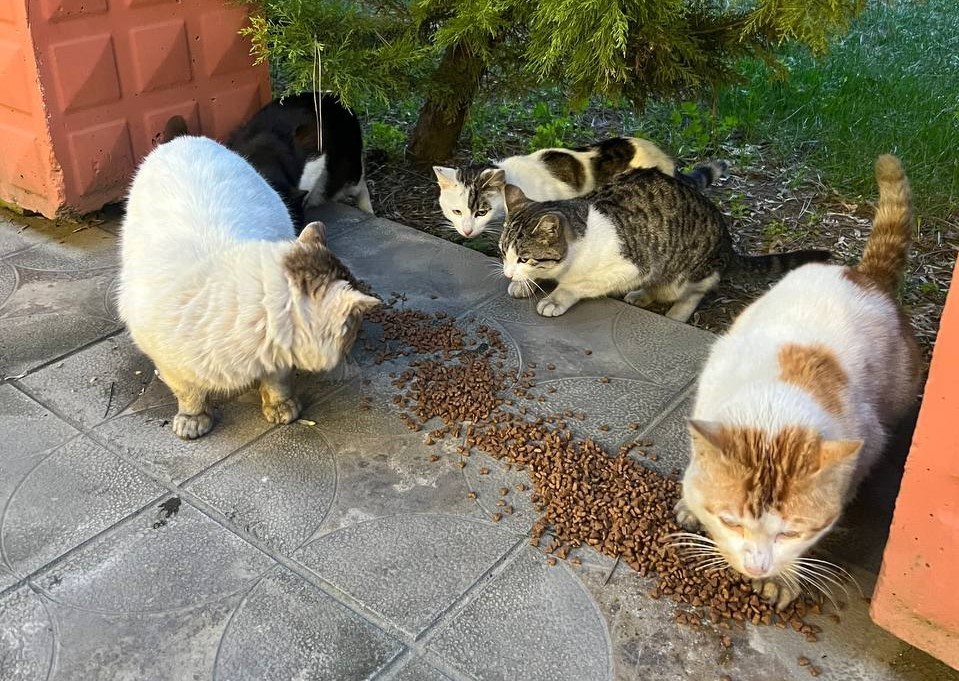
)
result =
(467, 231)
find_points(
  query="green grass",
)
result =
(890, 85)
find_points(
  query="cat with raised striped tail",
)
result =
(645, 236)
(796, 403)
(472, 200)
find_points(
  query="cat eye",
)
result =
(457, 211)
(481, 213)
(730, 523)
(792, 534)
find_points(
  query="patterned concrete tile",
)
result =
(95, 384)
(418, 670)
(532, 622)
(289, 629)
(69, 496)
(27, 638)
(55, 297)
(177, 644)
(407, 568)
(393, 257)
(143, 434)
(166, 558)
(278, 489)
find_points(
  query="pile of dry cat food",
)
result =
(586, 496)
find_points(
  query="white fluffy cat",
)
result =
(472, 199)
(216, 289)
(796, 403)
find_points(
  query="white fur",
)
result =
(203, 289)
(740, 386)
(313, 181)
(530, 174)
(593, 267)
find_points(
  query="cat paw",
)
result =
(520, 289)
(551, 308)
(775, 592)
(639, 298)
(192, 426)
(686, 519)
(284, 411)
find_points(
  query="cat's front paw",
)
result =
(775, 592)
(520, 289)
(686, 519)
(639, 298)
(192, 426)
(549, 307)
(284, 411)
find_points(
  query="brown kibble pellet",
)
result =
(551, 366)
(461, 464)
(654, 457)
(471, 495)
(484, 471)
(726, 642)
(508, 510)
(503, 491)
(803, 661)
(520, 487)
(604, 379)
(814, 670)
(725, 677)
(576, 560)
(496, 517)
(811, 638)
(434, 457)
(500, 503)
(588, 351)
(551, 560)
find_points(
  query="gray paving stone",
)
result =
(669, 437)
(393, 257)
(95, 384)
(56, 297)
(393, 475)
(418, 670)
(177, 645)
(407, 568)
(30, 432)
(533, 622)
(165, 558)
(77, 491)
(289, 629)
(278, 489)
(26, 637)
(145, 435)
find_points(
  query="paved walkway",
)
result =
(338, 550)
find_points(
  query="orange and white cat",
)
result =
(796, 403)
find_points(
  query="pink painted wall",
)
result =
(96, 81)
(917, 596)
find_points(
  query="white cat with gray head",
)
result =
(472, 198)
(216, 289)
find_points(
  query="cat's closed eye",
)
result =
(791, 534)
(457, 211)
(526, 260)
(730, 523)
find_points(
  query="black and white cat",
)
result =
(472, 198)
(305, 162)
(646, 235)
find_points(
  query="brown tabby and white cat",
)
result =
(645, 235)
(796, 403)
(472, 198)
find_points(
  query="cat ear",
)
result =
(360, 302)
(493, 178)
(550, 225)
(445, 177)
(833, 452)
(515, 198)
(706, 436)
(315, 231)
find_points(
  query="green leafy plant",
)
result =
(386, 137)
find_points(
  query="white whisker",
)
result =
(693, 536)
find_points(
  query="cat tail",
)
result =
(704, 174)
(884, 257)
(175, 127)
(777, 263)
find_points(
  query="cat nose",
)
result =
(754, 571)
(467, 230)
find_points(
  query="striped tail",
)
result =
(704, 174)
(777, 263)
(884, 257)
